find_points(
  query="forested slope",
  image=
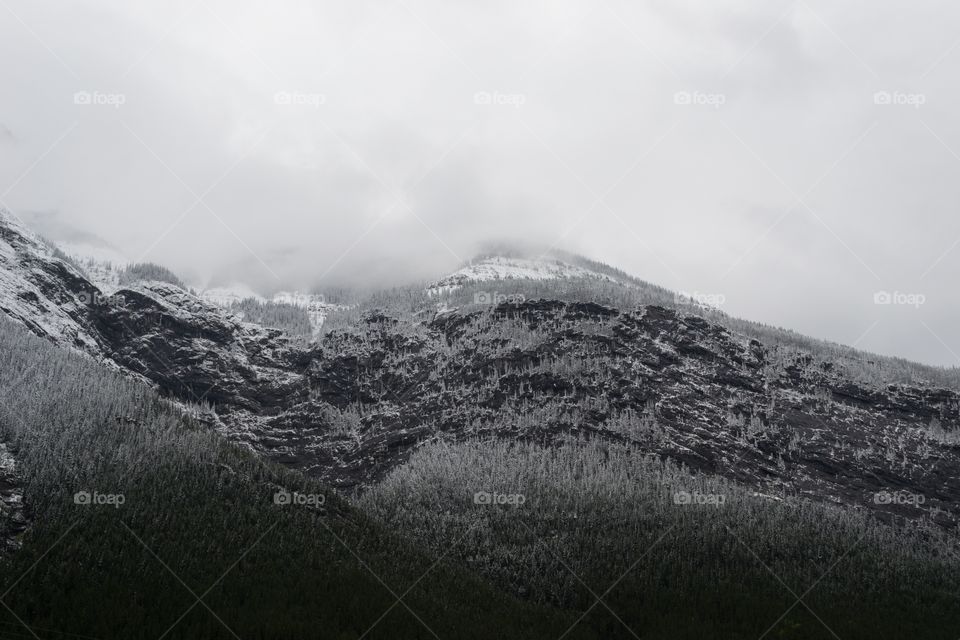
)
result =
(173, 510)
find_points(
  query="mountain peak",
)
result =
(498, 267)
(513, 262)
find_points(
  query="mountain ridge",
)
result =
(556, 264)
(354, 404)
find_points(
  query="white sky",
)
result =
(783, 185)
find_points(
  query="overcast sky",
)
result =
(794, 158)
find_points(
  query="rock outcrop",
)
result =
(13, 516)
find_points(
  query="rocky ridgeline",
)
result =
(671, 383)
(354, 405)
(674, 384)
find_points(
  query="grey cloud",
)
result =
(376, 95)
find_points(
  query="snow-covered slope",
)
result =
(106, 275)
(46, 294)
(314, 304)
(226, 296)
(101, 264)
(238, 292)
(302, 300)
(495, 268)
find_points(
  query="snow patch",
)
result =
(314, 304)
(227, 296)
(500, 268)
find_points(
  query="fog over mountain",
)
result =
(795, 158)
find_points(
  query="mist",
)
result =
(799, 158)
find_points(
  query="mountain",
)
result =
(523, 371)
(492, 269)
(352, 406)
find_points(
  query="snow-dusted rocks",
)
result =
(197, 351)
(231, 294)
(314, 304)
(48, 295)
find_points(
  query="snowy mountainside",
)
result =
(351, 406)
(46, 294)
(314, 304)
(101, 264)
(143, 327)
(495, 268)
(299, 299)
(225, 296)
(104, 274)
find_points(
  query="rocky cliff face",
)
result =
(357, 403)
(44, 293)
(670, 383)
(195, 351)
(13, 516)
(192, 350)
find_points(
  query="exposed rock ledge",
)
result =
(13, 520)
